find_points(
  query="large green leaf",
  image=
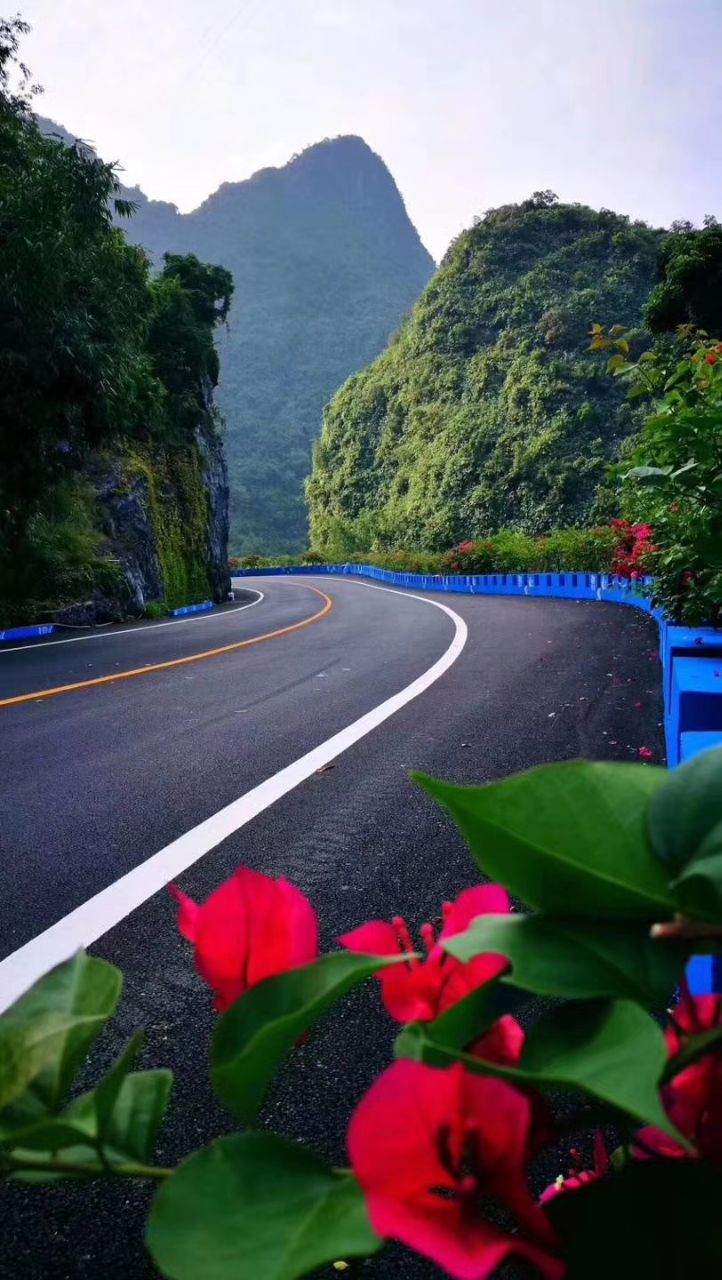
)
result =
(256, 1033)
(45, 1036)
(568, 838)
(685, 814)
(611, 1050)
(656, 1218)
(698, 891)
(577, 960)
(258, 1206)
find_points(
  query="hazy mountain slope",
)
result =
(487, 410)
(325, 262)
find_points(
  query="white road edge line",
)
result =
(128, 631)
(106, 909)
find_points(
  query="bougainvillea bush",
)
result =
(545, 1014)
(672, 479)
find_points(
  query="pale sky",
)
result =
(471, 103)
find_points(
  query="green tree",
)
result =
(74, 304)
(690, 281)
(189, 299)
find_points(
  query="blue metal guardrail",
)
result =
(28, 633)
(691, 662)
(191, 608)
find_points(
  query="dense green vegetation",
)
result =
(586, 550)
(326, 263)
(689, 290)
(99, 362)
(487, 410)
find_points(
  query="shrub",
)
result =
(672, 480)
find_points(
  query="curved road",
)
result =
(110, 789)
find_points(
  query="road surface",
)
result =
(192, 767)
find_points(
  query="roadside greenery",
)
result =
(94, 354)
(618, 871)
(671, 477)
(583, 550)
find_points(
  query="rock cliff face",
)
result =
(163, 516)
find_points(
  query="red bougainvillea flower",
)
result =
(579, 1177)
(251, 928)
(711, 358)
(692, 1099)
(645, 753)
(502, 1043)
(422, 989)
(642, 532)
(426, 1145)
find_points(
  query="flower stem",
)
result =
(88, 1169)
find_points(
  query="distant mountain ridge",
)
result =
(326, 263)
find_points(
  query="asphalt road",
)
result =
(98, 779)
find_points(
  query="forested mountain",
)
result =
(325, 262)
(487, 410)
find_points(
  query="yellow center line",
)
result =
(178, 662)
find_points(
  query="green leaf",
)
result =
(577, 960)
(115, 1123)
(698, 891)
(587, 1047)
(137, 1114)
(616, 362)
(681, 372)
(46, 1035)
(648, 475)
(99, 1103)
(258, 1206)
(257, 1032)
(470, 1017)
(685, 814)
(566, 838)
(655, 1218)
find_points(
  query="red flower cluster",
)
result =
(693, 1099)
(251, 928)
(426, 1145)
(635, 546)
(420, 990)
(431, 1147)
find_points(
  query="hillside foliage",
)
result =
(487, 410)
(95, 354)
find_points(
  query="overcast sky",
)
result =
(471, 103)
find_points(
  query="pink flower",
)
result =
(645, 753)
(422, 989)
(427, 1145)
(250, 928)
(580, 1177)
